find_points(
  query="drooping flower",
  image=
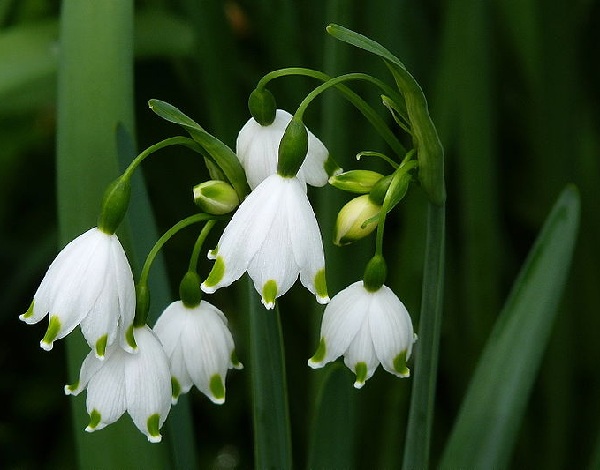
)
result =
(199, 346)
(90, 284)
(274, 236)
(356, 220)
(257, 148)
(137, 383)
(368, 328)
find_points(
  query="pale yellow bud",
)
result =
(356, 220)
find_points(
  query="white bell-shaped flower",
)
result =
(199, 346)
(257, 148)
(368, 328)
(90, 284)
(137, 383)
(274, 236)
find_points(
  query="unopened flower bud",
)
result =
(262, 106)
(355, 181)
(356, 220)
(216, 197)
(292, 148)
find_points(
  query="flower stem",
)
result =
(153, 148)
(418, 434)
(372, 116)
(198, 245)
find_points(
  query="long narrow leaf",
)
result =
(489, 419)
(272, 437)
(96, 42)
(219, 152)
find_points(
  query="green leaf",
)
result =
(272, 436)
(488, 422)
(222, 155)
(333, 430)
(430, 152)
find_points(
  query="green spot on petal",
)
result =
(29, 312)
(129, 338)
(216, 274)
(269, 293)
(101, 346)
(72, 387)
(95, 418)
(153, 424)
(217, 388)
(400, 364)
(321, 284)
(320, 352)
(175, 389)
(235, 361)
(361, 371)
(51, 332)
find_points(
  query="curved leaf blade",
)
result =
(223, 156)
(488, 422)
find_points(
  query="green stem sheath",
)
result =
(420, 420)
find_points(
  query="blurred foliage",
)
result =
(513, 88)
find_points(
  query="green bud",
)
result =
(114, 205)
(189, 290)
(216, 197)
(355, 181)
(262, 106)
(375, 273)
(356, 220)
(292, 148)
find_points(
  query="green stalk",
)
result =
(272, 436)
(96, 42)
(420, 419)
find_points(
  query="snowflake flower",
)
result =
(274, 236)
(368, 328)
(257, 148)
(199, 346)
(137, 383)
(88, 284)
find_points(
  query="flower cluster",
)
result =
(272, 235)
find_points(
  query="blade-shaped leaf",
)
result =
(488, 422)
(223, 156)
(429, 148)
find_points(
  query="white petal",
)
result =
(147, 382)
(106, 389)
(361, 350)
(246, 231)
(306, 239)
(125, 289)
(342, 320)
(391, 328)
(313, 168)
(169, 325)
(257, 147)
(275, 258)
(88, 368)
(207, 349)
